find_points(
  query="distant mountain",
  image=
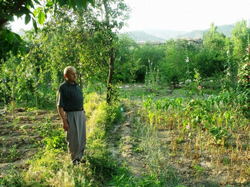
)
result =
(141, 36)
(161, 35)
(196, 34)
(164, 34)
(226, 29)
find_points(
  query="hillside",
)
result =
(164, 34)
(161, 35)
(196, 34)
(139, 36)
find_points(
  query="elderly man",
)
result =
(71, 110)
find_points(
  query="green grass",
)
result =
(137, 91)
(52, 166)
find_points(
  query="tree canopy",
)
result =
(32, 10)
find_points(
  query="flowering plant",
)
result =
(197, 80)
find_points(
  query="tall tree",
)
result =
(115, 14)
(103, 23)
(9, 9)
(86, 39)
(174, 66)
(146, 53)
(236, 55)
(126, 66)
(214, 46)
(241, 37)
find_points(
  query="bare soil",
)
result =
(19, 139)
(122, 145)
(205, 163)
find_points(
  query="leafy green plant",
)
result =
(53, 136)
(219, 134)
(152, 75)
(148, 181)
(11, 178)
(199, 171)
(121, 178)
(226, 161)
(14, 154)
(195, 87)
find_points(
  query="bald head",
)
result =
(68, 69)
(70, 74)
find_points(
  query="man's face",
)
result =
(71, 76)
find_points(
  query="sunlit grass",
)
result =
(52, 165)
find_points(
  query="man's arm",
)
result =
(62, 115)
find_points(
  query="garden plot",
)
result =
(19, 139)
(161, 141)
(204, 143)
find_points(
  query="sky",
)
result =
(180, 15)
(19, 24)
(185, 15)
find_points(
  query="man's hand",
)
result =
(65, 125)
(63, 117)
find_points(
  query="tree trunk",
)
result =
(110, 75)
(110, 87)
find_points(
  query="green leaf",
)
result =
(55, 8)
(4, 33)
(22, 50)
(30, 6)
(41, 17)
(49, 4)
(27, 19)
(10, 37)
(37, 2)
(11, 18)
(92, 2)
(14, 50)
(18, 37)
(35, 25)
(79, 4)
(84, 3)
(62, 2)
(37, 11)
(72, 4)
(24, 10)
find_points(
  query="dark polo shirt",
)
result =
(69, 96)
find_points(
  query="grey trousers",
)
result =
(76, 136)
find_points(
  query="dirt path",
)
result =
(122, 143)
(18, 136)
